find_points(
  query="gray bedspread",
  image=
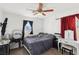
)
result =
(38, 44)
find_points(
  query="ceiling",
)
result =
(21, 8)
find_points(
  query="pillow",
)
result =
(40, 35)
(17, 35)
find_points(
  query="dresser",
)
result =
(55, 43)
(75, 44)
(4, 47)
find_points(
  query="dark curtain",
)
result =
(24, 23)
(68, 23)
(31, 23)
(4, 27)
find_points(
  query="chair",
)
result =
(17, 37)
(67, 48)
(5, 47)
(69, 37)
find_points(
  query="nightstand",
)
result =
(67, 48)
(4, 47)
(58, 41)
(55, 43)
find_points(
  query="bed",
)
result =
(37, 44)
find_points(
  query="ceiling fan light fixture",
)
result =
(39, 14)
(40, 11)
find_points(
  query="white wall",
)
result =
(38, 25)
(1, 15)
(48, 25)
(16, 22)
(51, 25)
(1, 19)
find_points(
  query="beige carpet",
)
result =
(22, 51)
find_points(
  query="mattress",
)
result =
(37, 45)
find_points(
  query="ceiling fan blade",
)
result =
(40, 13)
(35, 13)
(44, 14)
(50, 10)
(40, 6)
(32, 10)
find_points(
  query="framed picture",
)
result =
(27, 27)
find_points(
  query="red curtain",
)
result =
(68, 23)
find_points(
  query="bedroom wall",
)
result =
(1, 15)
(1, 18)
(51, 25)
(16, 22)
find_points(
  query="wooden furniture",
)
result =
(16, 37)
(55, 43)
(4, 47)
(68, 49)
(58, 38)
(75, 45)
(16, 41)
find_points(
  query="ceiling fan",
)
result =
(40, 10)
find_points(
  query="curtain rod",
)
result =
(67, 16)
